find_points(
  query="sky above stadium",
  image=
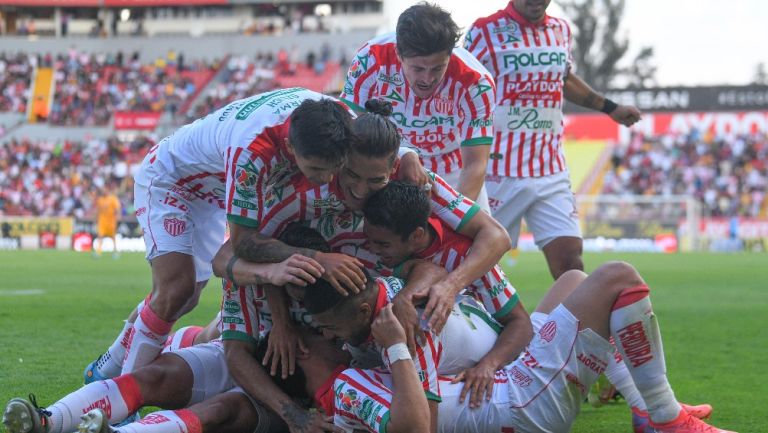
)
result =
(696, 42)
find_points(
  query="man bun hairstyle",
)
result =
(375, 135)
(425, 29)
(400, 207)
(321, 129)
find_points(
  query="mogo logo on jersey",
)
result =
(544, 58)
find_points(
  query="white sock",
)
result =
(636, 333)
(110, 364)
(117, 398)
(146, 342)
(166, 421)
(618, 374)
(183, 337)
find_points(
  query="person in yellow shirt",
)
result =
(107, 213)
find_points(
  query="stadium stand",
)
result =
(727, 174)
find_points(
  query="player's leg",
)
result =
(553, 220)
(507, 200)
(166, 382)
(110, 363)
(614, 302)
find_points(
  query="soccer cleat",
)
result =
(91, 374)
(641, 423)
(25, 416)
(95, 421)
(686, 423)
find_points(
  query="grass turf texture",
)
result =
(713, 311)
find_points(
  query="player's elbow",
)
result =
(412, 423)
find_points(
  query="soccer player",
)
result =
(220, 166)
(529, 55)
(398, 226)
(107, 213)
(442, 97)
(543, 389)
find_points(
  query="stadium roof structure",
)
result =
(143, 3)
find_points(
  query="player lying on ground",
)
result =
(543, 389)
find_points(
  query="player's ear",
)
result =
(365, 310)
(289, 147)
(417, 235)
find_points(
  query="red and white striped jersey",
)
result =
(459, 112)
(246, 316)
(449, 249)
(322, 207)
(230, 156)
(530, 63)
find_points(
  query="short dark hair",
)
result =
(321, 129)
(399, 206)
(320, 296)
(425, 29)
(375, 135)
(298, 235)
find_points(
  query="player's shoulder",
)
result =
(466, 68)
(499, 15)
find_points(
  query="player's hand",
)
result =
(386, 329)
(438, 309)
(478, 383)
(285, 345)
(626, 115)
(412, 171)
(296, 269)
(345, 273)
(406, 314)
(308, 421)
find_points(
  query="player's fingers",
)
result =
(488, 390)
(275, 363)
(410, 341)
(291, 364)
(313, 267)
(439, 317)
(477, 394)
(356, 275)
(336, 285)
(347, 279)
(464, 390)
(302, 275)
(459, 378)
(429, 309)
(268, 354)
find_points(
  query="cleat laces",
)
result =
(44, 414)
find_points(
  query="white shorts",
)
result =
(174, 220)
(542, 390)
(452, 179)
(547, 204)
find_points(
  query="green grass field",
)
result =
(59, 310)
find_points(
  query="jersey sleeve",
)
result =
(478, 104)
(361, 79)
(496, 293)
(246, 180)
(239, 316)
(478, 45)
(426, 360)
(449, 206)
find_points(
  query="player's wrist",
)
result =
(398, 352)
(609, 106)
(230, 269)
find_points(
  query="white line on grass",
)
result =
(29, 292)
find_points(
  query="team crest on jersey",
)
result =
(442, 105)
(174, 226)
(245, 182)
(548, 331)
(348, 399)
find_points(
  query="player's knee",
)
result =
(230, 412)
(619, 275)
(151, 379)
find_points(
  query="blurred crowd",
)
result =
(63, 178)
(727, 174)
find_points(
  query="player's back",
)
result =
(469, 334)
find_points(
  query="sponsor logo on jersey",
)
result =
(231, 307)
(548, 331)
(635, 344)
(274, 194)
(369, 410)
(529, 118)
(542, 58)
(480, 123)
(331, 202)
(575, 380)
(233, 320)
(394, 96)
(174, 226)
(400, 119)
(519, 378)
(592, 362)
(510, 31)
(496, 155)
(229, 109)
(253, 105)
(395, 78)
(498, 288)
(481, 87)
(426, 140)
(140, 211)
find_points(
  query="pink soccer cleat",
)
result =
(686, 423)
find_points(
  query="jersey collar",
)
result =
(324, 397)
(523, 21)
(437, 226)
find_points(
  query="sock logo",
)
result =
(154, 418)
(635, 344)
(592, 362)
(127, 337)
(103, 404)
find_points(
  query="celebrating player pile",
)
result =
(337, 232)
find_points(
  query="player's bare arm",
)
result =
(479, 380)
(342, 271)
(475, 160)
(296, 269)
(489, 242)
(579, 92)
